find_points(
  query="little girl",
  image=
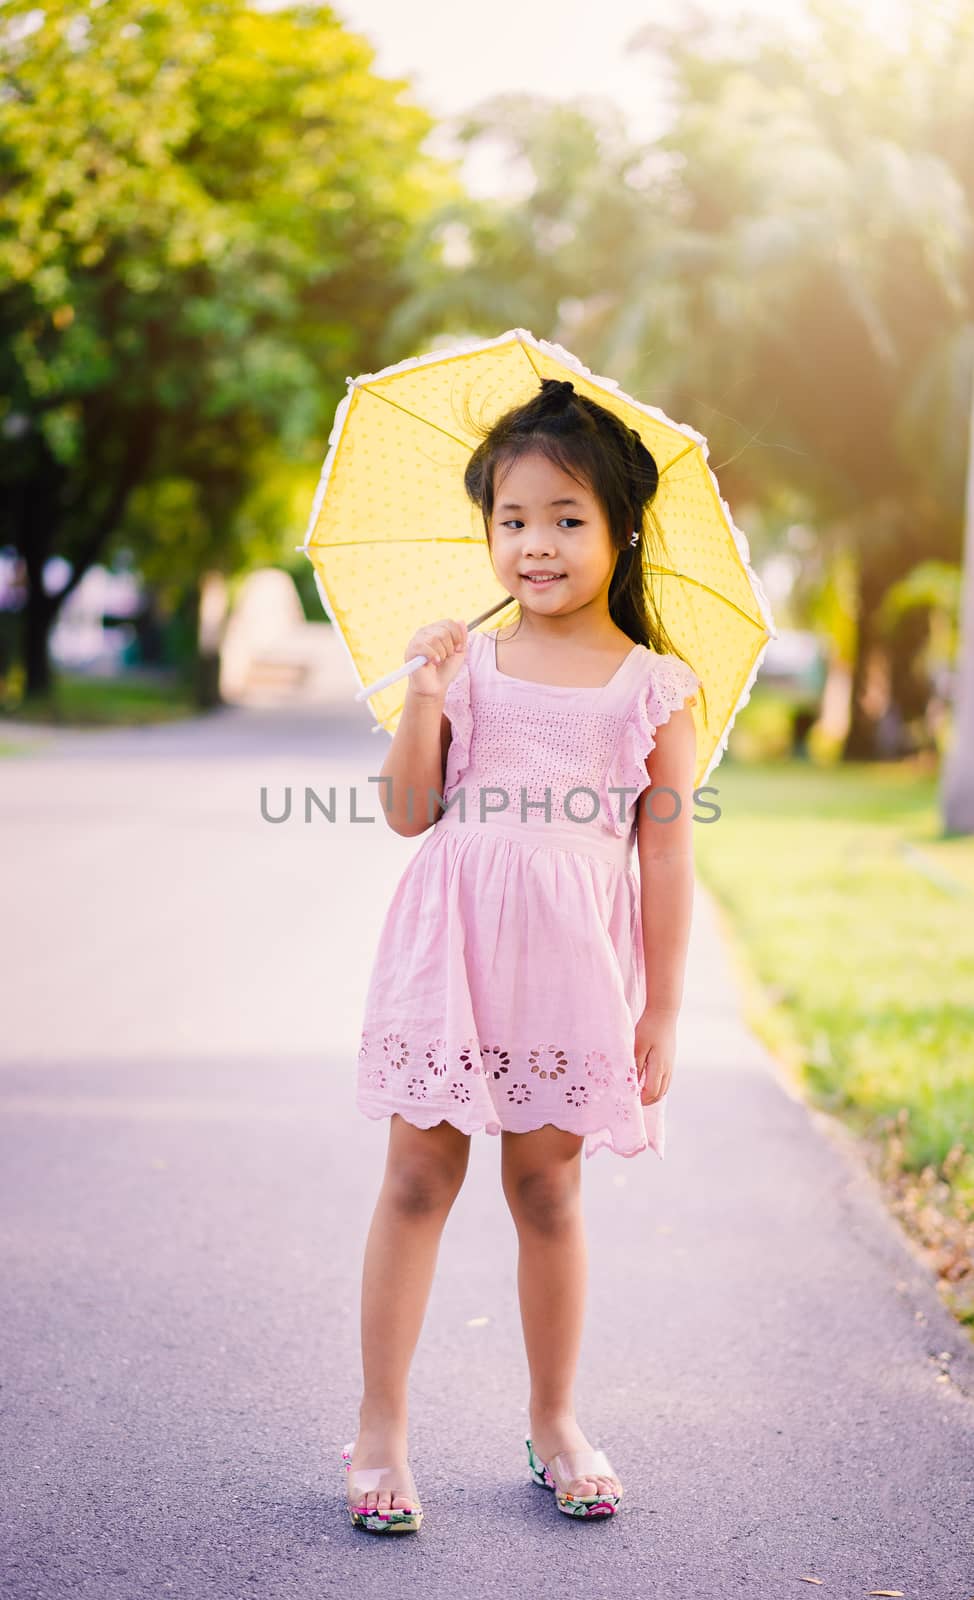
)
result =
(512, 990)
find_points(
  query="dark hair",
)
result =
(596, 448)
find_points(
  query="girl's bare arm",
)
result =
(665, 850)
(416, 761)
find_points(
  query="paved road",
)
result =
(185, 1190)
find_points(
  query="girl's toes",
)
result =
(369, 1501)
(384, 1501)
(584, 1487)
(401, 1502)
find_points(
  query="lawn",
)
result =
(90, 702)
(856, 918)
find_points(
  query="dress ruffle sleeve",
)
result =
(456, 706)
(668, 685)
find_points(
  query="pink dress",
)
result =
(509, 974)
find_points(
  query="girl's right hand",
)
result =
(445, 646)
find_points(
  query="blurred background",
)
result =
(760, 220)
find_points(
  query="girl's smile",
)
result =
(549, 535)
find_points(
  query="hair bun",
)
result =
(557, 386)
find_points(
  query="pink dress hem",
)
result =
(494, 1128)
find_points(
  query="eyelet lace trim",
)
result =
(429, 1088)
(670, 685)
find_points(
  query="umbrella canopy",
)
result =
(395, 542)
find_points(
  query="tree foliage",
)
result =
(789, 267)
(203, 208)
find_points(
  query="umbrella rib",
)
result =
(414, 417)
(667, 572)
(689, 449)
(531, 362)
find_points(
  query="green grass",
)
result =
(9, 747)
(865, 966)
(84, 702)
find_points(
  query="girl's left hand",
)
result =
(655, 1049)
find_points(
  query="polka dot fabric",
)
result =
(510, 973)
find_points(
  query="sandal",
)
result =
(369, 1480)
(566, 1468)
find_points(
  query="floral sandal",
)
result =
(372, 1480)
(566, 1468)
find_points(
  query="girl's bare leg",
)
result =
(425, 1169)
(541, 1177)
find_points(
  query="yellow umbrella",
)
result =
(395, 542)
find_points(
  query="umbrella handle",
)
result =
(420, 661)
(392, 677)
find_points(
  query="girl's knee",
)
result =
(424, 1172)
(541, 1174)
(545, 1199)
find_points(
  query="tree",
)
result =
(202, 213)
(828, 270)
(788, 268)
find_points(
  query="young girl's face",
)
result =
(547, 522)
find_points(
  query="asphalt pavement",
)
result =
(185, 1189)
